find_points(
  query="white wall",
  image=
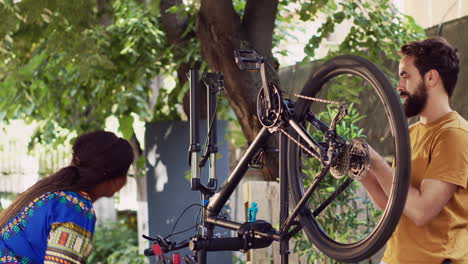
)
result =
(428, 13)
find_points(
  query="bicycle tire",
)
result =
(369, 245)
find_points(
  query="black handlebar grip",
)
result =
(229, 244)
(218, 244)
(148, 252)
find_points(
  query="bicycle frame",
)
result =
(215, 201)
(290, 122)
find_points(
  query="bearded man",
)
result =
(434, 225)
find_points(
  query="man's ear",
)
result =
(432, 77)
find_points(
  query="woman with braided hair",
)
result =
(53, 221)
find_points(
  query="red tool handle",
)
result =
(176, 258)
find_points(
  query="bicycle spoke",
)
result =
(332, 197)
(338, 218)
(305, 198)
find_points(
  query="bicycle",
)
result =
(295, 122)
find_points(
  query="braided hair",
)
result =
(97, 157)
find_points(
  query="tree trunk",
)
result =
(221, 31)
(174, 26)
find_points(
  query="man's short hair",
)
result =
(435, 53)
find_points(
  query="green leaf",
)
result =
(126, 126)
(339, 17)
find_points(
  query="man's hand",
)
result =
(423, 203)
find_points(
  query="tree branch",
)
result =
(220, 27)
(173, 25)
(220, 32)
(104, 12)
(259, 23)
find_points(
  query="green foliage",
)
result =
(6, 196)
(235, 135)
(238, 258)
(59, 65)
(115, 243)
(378, 31)
(342, 220)
(309, 10)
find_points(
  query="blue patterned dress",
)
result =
(56, 227)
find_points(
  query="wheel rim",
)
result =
(312, 226)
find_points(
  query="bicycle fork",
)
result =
(214, 83)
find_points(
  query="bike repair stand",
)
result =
(247, 232)
(284, 197)
(214, 83)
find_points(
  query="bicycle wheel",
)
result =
(376, 114)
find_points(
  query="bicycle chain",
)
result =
(314, 99)
(311, 99)
(298, 143)
(357, 171)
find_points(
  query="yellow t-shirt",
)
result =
(439, 150)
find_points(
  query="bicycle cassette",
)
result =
(353, 161)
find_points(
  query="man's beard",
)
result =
(416, 102)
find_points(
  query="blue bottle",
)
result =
(252, 212)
